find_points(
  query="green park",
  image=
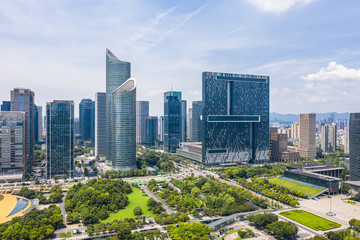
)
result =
(295, 186)
(310, 220)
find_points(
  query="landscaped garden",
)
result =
(310, 220)
(295, 186)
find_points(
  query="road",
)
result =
(174, 187)
(150, 194)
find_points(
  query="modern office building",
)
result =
(120, 114)
(151, 131)
(172, 121)
(196, 121)
(23, 100)
(60, 139)
(142, 112)
(346, 139)
(332, 137)
(235, 126)
(324, 132)
(189, 124)
(100, 123)
(5, 106)
(295, 130)
(354, 146)
(183, 120)
(307, 129)
(38, 128)
(87, 120)
(12, 144)
(278, 148)
(161, 129)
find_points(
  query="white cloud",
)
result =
(154, 92)
(278, 6)
(334, 72)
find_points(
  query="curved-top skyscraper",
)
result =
(120, 114)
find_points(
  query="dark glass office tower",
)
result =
(172, 121)
(5, 106)
(235, 118)
(38, 124)
(151, 131)
(142, 112)
(100, 123)
(120, 114)
(196, 126)
(183, 120)
(354, 146)
(60, 139)
(23, 100)
(87, 120)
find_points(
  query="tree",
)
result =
(261, 220)
(195, 191)
(186, 231)
(137, 210)
(319, 153)
(283, 229)
(334, 236)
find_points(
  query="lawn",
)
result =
(136, 198)
(295, 186)
(310, 220)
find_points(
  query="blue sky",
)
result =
(309, 48)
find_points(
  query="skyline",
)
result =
(309, 49)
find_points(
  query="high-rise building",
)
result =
(332, 137)
(87, 120)
(196, 121)
(307, 128)
(346, 139)
(38, 129)
(278, 148)
(100, 123)
(354, 144)
(120, 114)
(295, 130)
(151, 131)
(183, 120)
(142, 112)
(189, 124)
(172, 121)
(235, 126)
(60, 139)
(324, 131)
(77, 126)
(161, 129)
(5, 106)
(23, 100)
(12, 143)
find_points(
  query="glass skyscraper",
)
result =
(354, 146)
(100, 123)
(142, 112)
(60, 139)
(196, 126)
(235, 118)
(87, 120)
(183, 120)
(172, 121)
(120, 114)
(151, 131)
(38, 124)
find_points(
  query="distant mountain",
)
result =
(278, 117)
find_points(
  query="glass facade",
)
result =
(142, 112)
(235, 127)
(12, 143)
(60, 139)
(172, 121)
(38, 124)
(196, 121)
(87, 120)
(354, 146)
(120, 114)
(151, 131)
(183, 121)
(5, 106)
(100, 124)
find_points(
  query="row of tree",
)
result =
(55, 195)
(250, 171)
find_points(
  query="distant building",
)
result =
(120, 114)
(77, 126)
(142, 112)
(196, 121)
(189, 124)
(23, 100)
(183, 120)
(100, 123)
(354, 144)
(295, 130)
(151, 125)
(324, 131)
(161, 129)
(87, 120)
(346, 139)
(38, 129)
(307, 135)
(235, 118)
(12, 143)
(60, 139)
(5, 106)
(278, 148)
(332, 137)
(172, 121)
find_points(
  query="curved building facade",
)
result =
(120, 114)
